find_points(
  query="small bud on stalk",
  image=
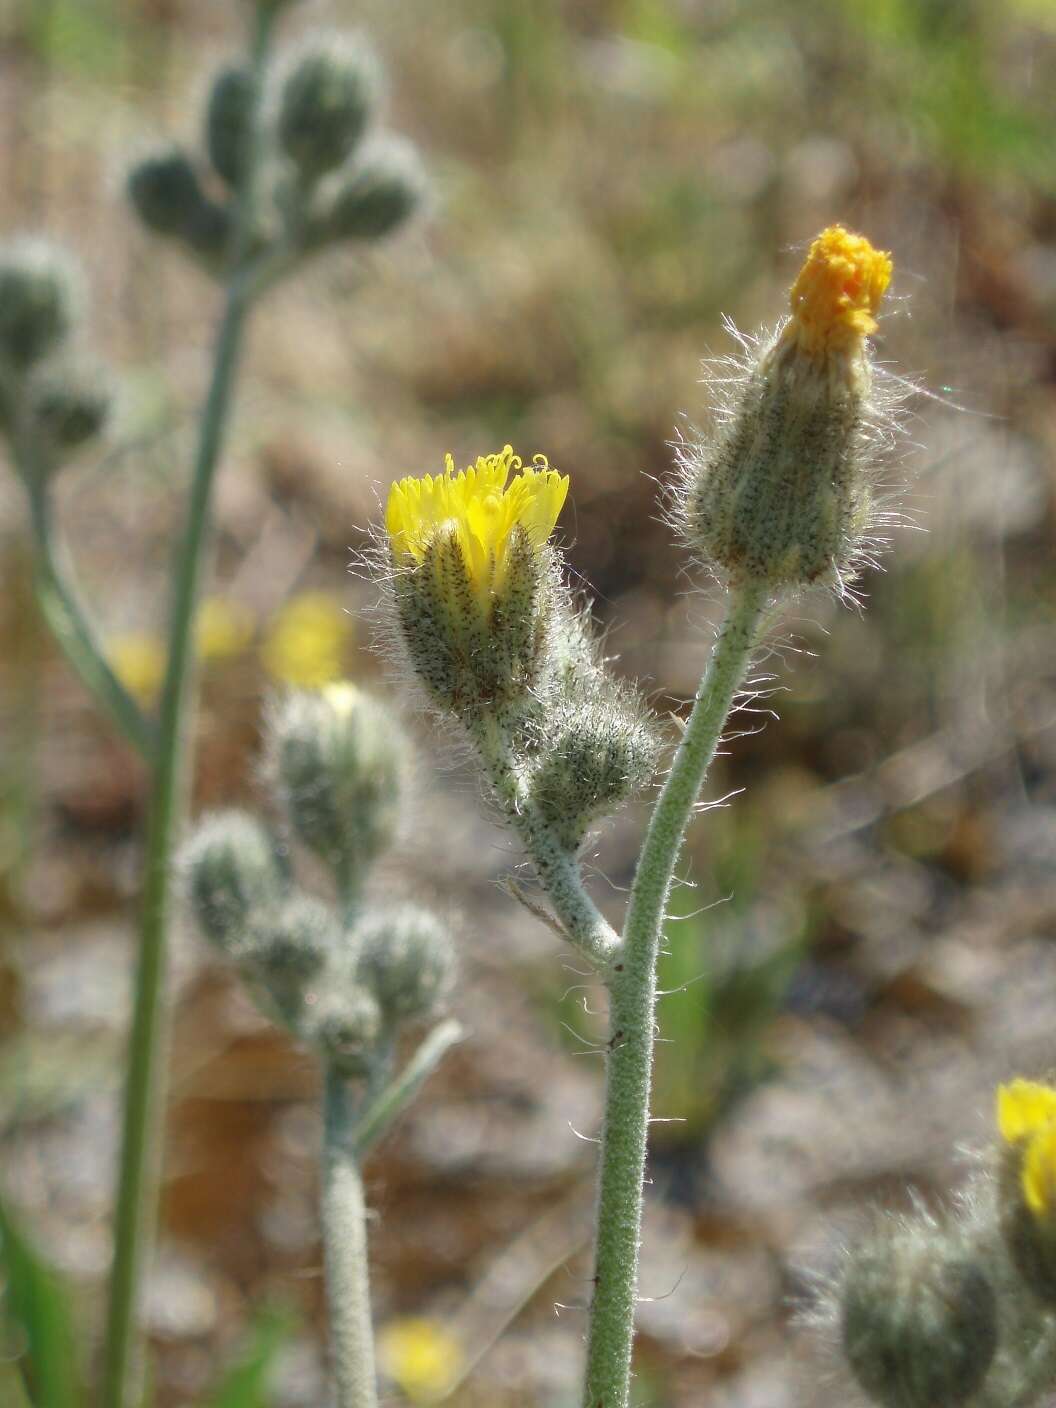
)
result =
(232, 865)
(919, 1318)
(782, 495)
(168, 197)
(405, 957)
(325, 105)
(344, 1022)
(37, 302)
(337, 759)
(601, 748)
(383, 189)
(228, 122)
(287, 948)
(68, 409)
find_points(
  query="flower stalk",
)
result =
(135, 1206)
(632, 990)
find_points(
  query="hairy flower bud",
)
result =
(405, 958)
(782, 494)
(229, 122)
(344, 1022)
(919, 1318)
(474, 579)
(167, 196)
(385, 187)
(37, 302)
(325, 105)
(69, 408)
(337, 761)
(599, 748)
(288, 948)
(231, 864)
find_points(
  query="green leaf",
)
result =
(246, 1383)
(37, 1303)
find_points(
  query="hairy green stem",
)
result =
(379, 1113)
(345, 1249)
(144, 1091)
(632, 990)
(69, 624)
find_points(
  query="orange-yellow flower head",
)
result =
(481, 507)
(475, 580)
(837, 292)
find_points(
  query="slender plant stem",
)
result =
(632, 989)
(70, 626)
(379, 1114)
(345, 1247)
(144, 1092)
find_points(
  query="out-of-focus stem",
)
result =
(135, 1210)
(345, 1250)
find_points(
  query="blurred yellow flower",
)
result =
(137, 658)
(421, 1357)
(1026, 1117)
(481, 508)
(307, 641)
(223, 629)
(1024, 1108)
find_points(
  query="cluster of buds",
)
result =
(783, 493)
(482, 617)
(958, 1313)
(341, 975)
(303, 148)
(52, 401)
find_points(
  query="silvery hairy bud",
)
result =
(231, 865)
(325, 105)
(229, 122)
(167, 196)
(384, 188)
(37, 302)
(405, 958)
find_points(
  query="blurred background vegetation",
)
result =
(870, 941)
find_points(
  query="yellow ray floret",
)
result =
(1024, 1108)
(482, 506)
(837, 292)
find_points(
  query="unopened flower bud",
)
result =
(37, 302)
(1026, 1117)
(474, 579)
(232, 865)
(229, 122)
(326, 102)
(337, 760)
(782, 495)
(599, 748)
(919, 1318)
(385, 187)
(287, 948)
(405, 958)
(344, 1022)
(69, 409)
(168, 198)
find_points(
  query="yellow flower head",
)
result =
(1024, 1108)
(223, 628)
(307, 641)
(1026, 1117)
(837, 292)
(421, 1357)
(137, 658)
(482, 506)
